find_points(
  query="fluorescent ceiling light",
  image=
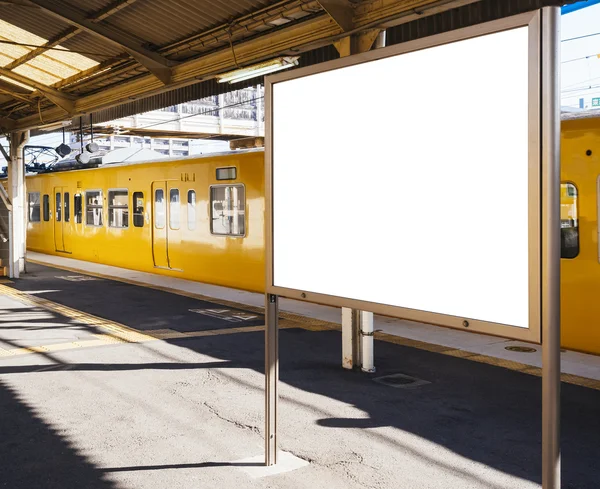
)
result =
(260, 69)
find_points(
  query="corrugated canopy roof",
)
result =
(64, 58)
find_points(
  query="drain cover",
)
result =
(520, 349)
(400, 381)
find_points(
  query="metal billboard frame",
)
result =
(544, 69)
(531, 333)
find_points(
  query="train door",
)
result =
(160, 231)
(174, 240)
(62, 218)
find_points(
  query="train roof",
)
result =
(579, 114)
(118, 158)
(113, 164)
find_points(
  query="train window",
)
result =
(174, 209)
(228, 210)
(78, 208)
(118, 208)
(58, 207)
(191, 209)
(34, 206)
(46, 207)
(93, 208)
(569, 221)
(138, 209)
(159, 208)
(67, 209)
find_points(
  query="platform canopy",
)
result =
(60, 59)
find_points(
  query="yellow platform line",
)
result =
(116, 332)
(312, 324)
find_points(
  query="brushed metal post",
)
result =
(271, 376)
(551, 248)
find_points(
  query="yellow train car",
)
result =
(195, 218)
(580, 264)
(203, 219)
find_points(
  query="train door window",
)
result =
(118, 208)
(93, 208)
(191, 209)
(569, 221)
(78, 208)
(159, 208)
(174, 209)
(34, 206)
(67, 208)
(138, 209)
(228, 210)
(46, 207)
(58, 207)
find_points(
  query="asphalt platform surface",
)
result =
(182, 413)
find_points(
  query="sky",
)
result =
(580, 61)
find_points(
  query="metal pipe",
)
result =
(271, 377)
(551, 248)
(367, 343)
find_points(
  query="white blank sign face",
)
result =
(404, 181)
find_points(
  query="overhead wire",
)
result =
(581, 37)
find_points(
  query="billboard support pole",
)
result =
(271, 376)
(550, 248)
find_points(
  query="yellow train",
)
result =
(203, 219)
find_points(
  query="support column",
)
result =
(271, 376)
(551, 248)
(17, 194)
(357, 326)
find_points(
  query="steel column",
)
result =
(17, 195)
(271, 376)
(550, 247)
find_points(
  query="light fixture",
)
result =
(260, 69)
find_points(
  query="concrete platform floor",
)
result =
(88, 403)
(572, 363)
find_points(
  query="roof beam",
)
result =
(158, 65)
(70, 32)
(341, 12)
(55, 41)
(16, 92)
(111, 8)
(91, 73)
(62, 99)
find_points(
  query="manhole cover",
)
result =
(400, 381)
(520, 349)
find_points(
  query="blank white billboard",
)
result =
(404, 181)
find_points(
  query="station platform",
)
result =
(115, 379)
(578, 368)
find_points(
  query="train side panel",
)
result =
(183, 245)
(580, 263)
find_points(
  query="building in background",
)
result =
(192, 128)
(200, 126)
